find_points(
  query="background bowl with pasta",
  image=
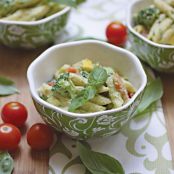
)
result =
(31, 24)
(86, 125)
(159, 56)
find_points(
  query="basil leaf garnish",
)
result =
(7, 87)
(87, 94)
(99, 163)
(6, 163)
(153, 92)
(5, 81)
(98, 76)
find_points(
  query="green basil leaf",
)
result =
(87, 94)
(6, 87)
(5, 81)
(153, 92)
(76, 103)
(6, 90)
(6, 163)
(72, 3)
(98, 76)
(99, 163)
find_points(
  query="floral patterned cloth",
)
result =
(142, 146)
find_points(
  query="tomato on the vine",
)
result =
(116, 33)
(40, 136)
(14, 113)
(10, 137)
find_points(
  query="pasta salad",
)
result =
(28, 10)
(85, 87)
(156, 22)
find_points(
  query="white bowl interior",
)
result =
(127, 64)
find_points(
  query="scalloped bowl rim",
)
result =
(129, 19)
(45, 55)
(38, 22)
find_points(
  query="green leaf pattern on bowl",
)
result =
(161, 59)
(84, 128)
(32, 36)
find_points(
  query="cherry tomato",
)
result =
(72, 70)
(40, 136)
(14, 113)
(10, 136)
(116, 33)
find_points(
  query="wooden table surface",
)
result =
(14, 64)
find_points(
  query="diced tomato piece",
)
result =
(117, 86)
(51, 83)
(72, 70)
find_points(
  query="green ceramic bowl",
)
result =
(84, 126)
(34, 34)
(160, 57)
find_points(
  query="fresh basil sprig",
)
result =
(87, 94)
(6, 163)
(7, 87)
(153, 92)
(99, 163)
(96, 78)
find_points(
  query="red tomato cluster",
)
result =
(14, 116)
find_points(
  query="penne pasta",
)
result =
(170, 2)
(155, 34)
(54, 101)
(168, 36)
(101, 100)
(28, 10)
(92, 107)
(165, 8)
(29, 14)
(129, 86)
(45, 90)
(10, 6)
(63, 100)
(161, 17)
(119, 85)
(103, 89)
(78, 80)
(79, 91)
(113, 93)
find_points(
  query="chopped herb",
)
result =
(84, 74)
